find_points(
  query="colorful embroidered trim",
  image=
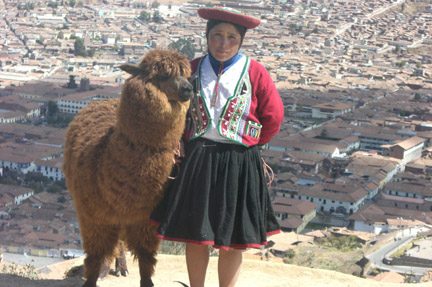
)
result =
(253, 129)
(215, 92)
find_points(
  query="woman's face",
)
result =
(224, 41)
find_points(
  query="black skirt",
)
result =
(220, 198)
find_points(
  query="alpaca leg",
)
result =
(99, 243)
(105, 269)
(143, 242)
(92, 265)
(120, 262)
(146, 261)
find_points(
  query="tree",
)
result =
(90, 52)
(417, 97)
(397, 49)
(155, 4)
(157, 17)
(60, 35)
(54, 189)
(290, 253)
(52, 109)
(29, 6)
(184, 46)
(72, 84)
(79, 48)
(72, 3)
(61, 199)
(324, 133)
(144, 16)
(52, 4)
(401, 64)
(35, 177)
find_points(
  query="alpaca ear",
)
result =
(131, 69)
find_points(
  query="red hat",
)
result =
(229, 15)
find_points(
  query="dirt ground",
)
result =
(171, 268)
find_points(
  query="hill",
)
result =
(172, 268)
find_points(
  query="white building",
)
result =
(329, 110)
(329, 198)
(51, 168)
(72, 104)
(18, 193)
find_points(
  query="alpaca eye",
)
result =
(165, 77)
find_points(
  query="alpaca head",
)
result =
(155, 99)
(167, 70)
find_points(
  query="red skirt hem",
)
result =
(233, 245)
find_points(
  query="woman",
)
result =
(220, 197)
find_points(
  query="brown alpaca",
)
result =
(118, 157)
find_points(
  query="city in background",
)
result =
(353, 160)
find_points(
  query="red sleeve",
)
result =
(194, 64)
(269, 107)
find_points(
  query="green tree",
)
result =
(290, 253)
(72, 3)
(10, 177)
(35, 177)
(324, 133)
(29, 6)
(54, 189)
(401, 64)
(60, 35)
(71, 84)
(144, 16)
(52, 109)
(184, 46)
(157, 17)
(397, 49)
(61, 199)
(79, 48)
(52, 4)
(91, 52)
(155, 4)
(417, 97)
(36, 186)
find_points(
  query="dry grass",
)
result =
(410, 8)
(328, 258)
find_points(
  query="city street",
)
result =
(23, 260)
(376, 258)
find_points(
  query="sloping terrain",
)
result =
(172, 268)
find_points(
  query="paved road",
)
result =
(377, 257)
(27, 259)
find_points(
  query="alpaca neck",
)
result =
(146, 117)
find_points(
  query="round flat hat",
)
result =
(229, 15)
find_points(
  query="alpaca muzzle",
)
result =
(186, 92)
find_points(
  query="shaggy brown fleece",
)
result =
(118, 157)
